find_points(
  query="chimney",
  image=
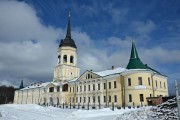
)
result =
(112, 67)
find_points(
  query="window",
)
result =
(71, 59)
(73, 89)
(129, 81)
(98, 86)
(150, 95)
(99, 99)
(141, 97)
(76, 99)
(88, 99)
(109, 85)
(89, 87)
(80, 99)
(115, 98)
(130, 98)
(104, 85)
(65, 59)
(88, 76)
(140, 80)
(84, 99)
(104, 98)
(115, 84)
(51, 89)
(70, 89)
(93, 86)
(93, 99)
(84, 87)
(58, 88)
(164, 85)
(160, 85)
(80, 88)
(156, 83)
(149, 81)
(77, 88)
(59, 59)
(109, 98)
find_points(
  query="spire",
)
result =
(68, 34)
(68, 41)
(134, 61)
(134, 53)
(21, 85)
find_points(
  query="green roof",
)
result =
(134, 61)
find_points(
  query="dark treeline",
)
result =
(6, 94)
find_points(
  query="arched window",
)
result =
(71, 59)
(65, 59)
(59, 59)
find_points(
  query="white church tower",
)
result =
(67, 59)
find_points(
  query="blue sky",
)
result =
(101, 29)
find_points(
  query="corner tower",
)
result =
(67, 59)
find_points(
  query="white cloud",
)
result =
(143, 27)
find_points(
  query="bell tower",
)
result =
(67, 59)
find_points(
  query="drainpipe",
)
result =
(152, 84)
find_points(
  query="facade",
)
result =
(130, 86)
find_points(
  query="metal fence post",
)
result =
(177, 98)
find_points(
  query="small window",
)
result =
(140, 80)
(156, 83)
(59, 59)
(88, 99)
(77, 88)
(51, 89)
(80, 88)
(65, 59)
(149, 81)
(84, 87)
(80, 99)
(160, 85)
(93, 99)
(104, 98)
(115, 98)
(71, 59)
(88, 76)
(115, 84)
(98, 86)
(70, 89)
(109, 85)
(99, 99)
(130, 98)
(73, 89)
(94, 87)
(104, 85)
(89, 87)
(164, 85)
(76, 99)
(141, 97)
(109, 98)
(58, 88)
(84, 99)
(150, 95)
(129, 81)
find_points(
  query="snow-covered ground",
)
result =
(36, 112)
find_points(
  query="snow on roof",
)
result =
(39, 85)
(110, 72)
(73, 80)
